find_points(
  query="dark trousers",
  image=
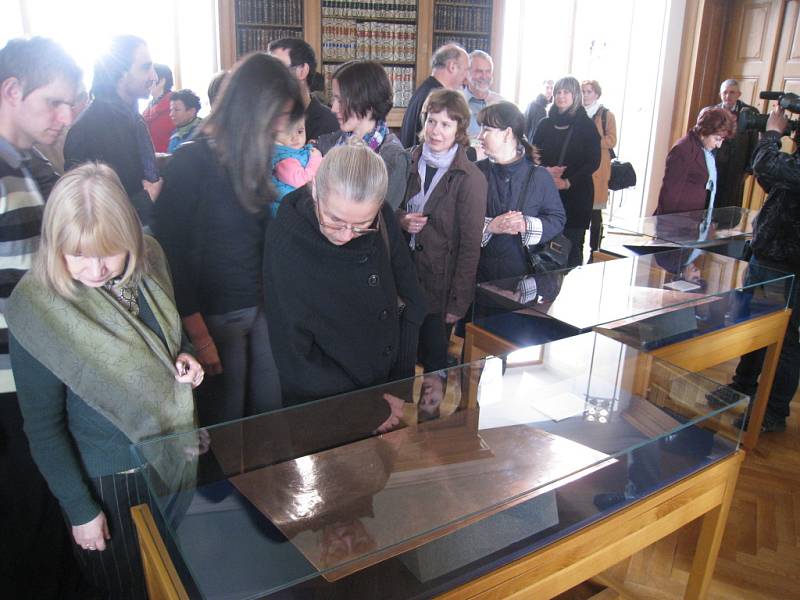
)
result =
(576, 236)
(787, 374)
(117, 572)
(596, 230)
(248, 384)
(434, 340)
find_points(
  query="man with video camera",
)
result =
(776, 246)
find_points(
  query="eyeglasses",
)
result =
(344, 226)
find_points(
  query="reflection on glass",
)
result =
(485, 456)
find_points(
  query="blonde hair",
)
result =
(354, 171)
(88, 212)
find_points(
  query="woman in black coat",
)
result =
(570, 149)
(335, 266)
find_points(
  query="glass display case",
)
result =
(647, 301)
(723, 230)
(411, 489)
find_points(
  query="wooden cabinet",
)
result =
(402, 37)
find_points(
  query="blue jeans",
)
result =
(787, 374)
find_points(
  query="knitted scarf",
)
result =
(373, 139)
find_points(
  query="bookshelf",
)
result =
(400, 34)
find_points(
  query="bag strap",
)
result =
(523, 195)
(565, 144)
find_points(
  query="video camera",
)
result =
(751, 120)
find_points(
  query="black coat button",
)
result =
(363, 259)
(373, 280)
(387, 351)
(384, 314)
(418, 248)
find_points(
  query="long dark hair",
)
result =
(503, 115)
(243, 121)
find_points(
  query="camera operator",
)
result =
(776, 245)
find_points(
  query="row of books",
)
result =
(462, 18)
(472, 2)
(344, 39)
(277, 12)
(249, 39)
(371, 9)
(469, 43)
(402, 79)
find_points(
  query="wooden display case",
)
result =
(246, 25)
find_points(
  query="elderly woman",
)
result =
(336, 272)
(690, 176)
(211, 219)
(362, 97)
(570, 149)
(96, 353)
(606, 124)
(442, 215)
(524, 208)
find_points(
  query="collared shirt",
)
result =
(475, 105)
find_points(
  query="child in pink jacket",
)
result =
(294, 163)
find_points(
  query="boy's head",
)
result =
(294, 136)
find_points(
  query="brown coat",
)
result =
(607, 142)
(449, 246)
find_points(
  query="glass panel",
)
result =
(658, 298)
(489, 456)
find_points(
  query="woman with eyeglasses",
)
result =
(211, 218)
(442, 216)
(341, 294)
(570, 150)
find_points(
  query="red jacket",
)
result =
(685, 177)
(159, 123)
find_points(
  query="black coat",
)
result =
(332, 310)
(106, 132)
(535, 114)
(733, 159)
(409, 132)
(581, 159)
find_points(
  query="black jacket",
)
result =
(332, 310)
(733, 159)
(106, 132)
(536, 112)
(581, 159)
(409, 132)
(776, 234)
(319, 120)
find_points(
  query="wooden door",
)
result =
(787, 63)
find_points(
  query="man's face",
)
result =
(547, 90)
(179, 114)
(729, 94)
(137, 81)
(458, 70)
(43, 114)
(480, 76)
(284, 55)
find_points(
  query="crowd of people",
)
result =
(277, 251)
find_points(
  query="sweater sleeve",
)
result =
(174, 220)
(291, 172)
(42, 400)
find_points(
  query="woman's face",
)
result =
(589, 95)
(563, 99)
(440, 131)
(95, 271)
(341, 219)
(495, 142)
(350, 123)
(710, 142)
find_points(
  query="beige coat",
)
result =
(609, 140)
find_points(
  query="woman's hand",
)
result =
(508, 223)
(189, 370)
(556, 172)
(153, 188)
(396, 405)
(561, 183)
(413, 222)
(208, 356)
(92, 535)
(450, 318)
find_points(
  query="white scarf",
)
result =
(592, 109)
(440, 161)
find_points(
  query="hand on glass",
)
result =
(413, 222)
(92, 535)
(508, 223)
(203, 444)
(188, 370)
(396, 406)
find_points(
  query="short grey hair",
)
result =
(354, 171)
(445, 54)
(572, 85)
(728, 83)
(481, 54)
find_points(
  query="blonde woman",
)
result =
(96, 351)
(606, 124)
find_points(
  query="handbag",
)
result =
(545, 256)
(622, 173)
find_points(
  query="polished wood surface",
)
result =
(162, 580)
(466, 473)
